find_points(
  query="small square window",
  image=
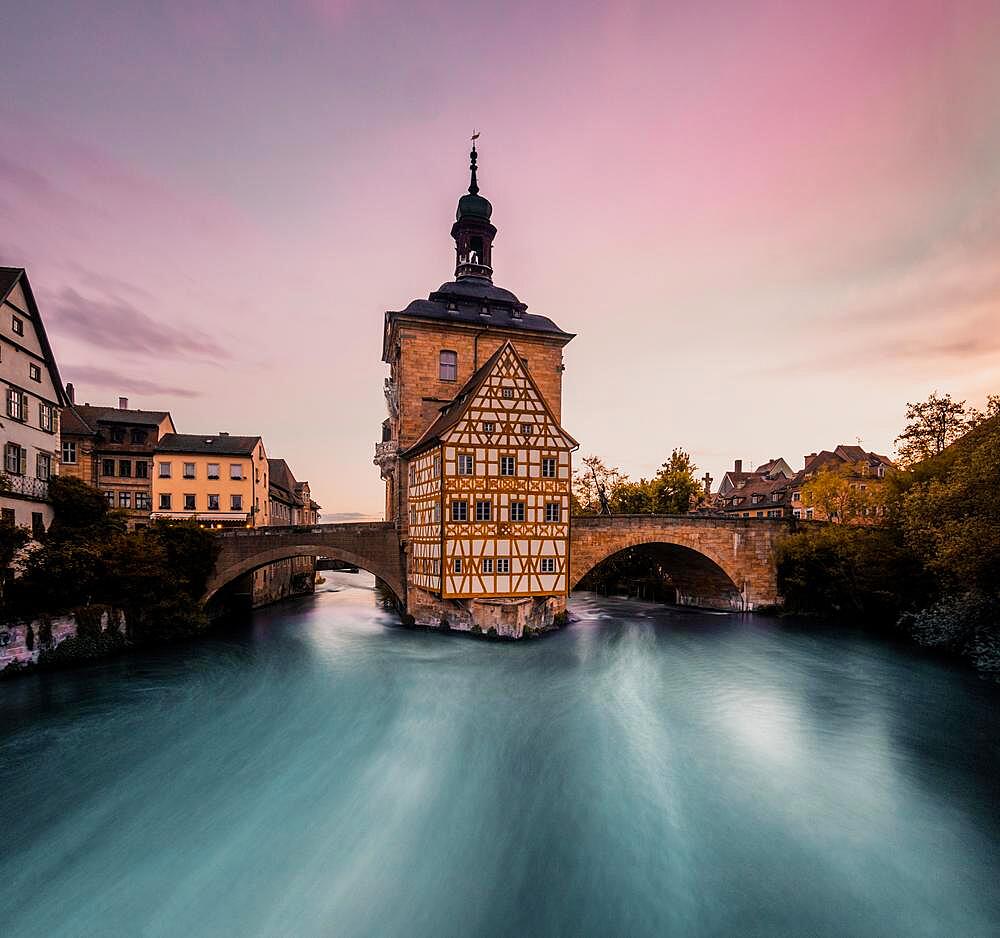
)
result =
(508, 466)
(487, 564)
(489, 426)
(107, 467)
(17, 325)
(466, 464)
(548, 468)
(236, 503)
(213, 502)
(164, 501)
(457, 564)
(213, 470)
(34, 372)
(484, 511)
(117, 435)
(459, 511)
(124, 499)
(503, 565)
(552, 511)
(189, 502)
(69, 452)
(143, 501)
(109, 497)
(125, 468)
(517, 511)
(548, 565)
(164, 470)
(236, 470)
(142, 469)
(527, 429)
(138, 436)
(508, 394)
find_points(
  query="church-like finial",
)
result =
(473, 185)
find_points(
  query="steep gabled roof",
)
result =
(455, 410)
(91, 415)
(9, 277)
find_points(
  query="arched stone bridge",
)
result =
(712, 561)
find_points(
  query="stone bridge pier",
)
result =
(722, 563)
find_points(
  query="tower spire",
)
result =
(473, 184)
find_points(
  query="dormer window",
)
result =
(17, 325)
(448, 365)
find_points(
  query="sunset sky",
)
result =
(770, 224)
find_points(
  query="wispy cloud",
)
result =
(105, 378)
(115, 324)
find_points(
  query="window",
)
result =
(43, 466)
(142, 469)
(508, 394)
(14, 459)
(466, 464)
(236, 503)
(517, 511)
(760, 514)
(437, 511)
(188, 470)
(548, 468)
(213, 502)
(17, 325)
(508, 466)
(809, 513)
(118, 435)
(484, 511)
(774, 513)
(17, 404)
(68, 452)
(552, 511)
(164, 501)
(47, 417)
(37, 524)
(138, 436)
(142, 501)
(448, 365)
(503, 565)
(489, 426)
(436, 567)
(189, 502)
(460, 511)
(797, 512)
(775, 496)
(796, 496)
(109, 497)
(755, 499)
(487, 564)
(125, 468)
(437, 467)
(7, 516)
(165, 470)
(213, 470)
(34, 372)
(457, 565)
(527, 428)
(236, 470)
(548, 565)
(124, 499)
(107, 467)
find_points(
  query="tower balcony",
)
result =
(386, 457)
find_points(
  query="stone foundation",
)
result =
(293, 576)
(45, 634)
(500, 617)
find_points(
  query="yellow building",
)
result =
(219, 480)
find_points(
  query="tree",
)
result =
(12, 539)
(836, 493)
(676, 490)
(931, 426)
(589, 481)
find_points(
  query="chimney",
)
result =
(123, 403)
(808, 457)
(71, 392)
(738, 465)
(223, 433)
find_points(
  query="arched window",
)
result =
(448, 365)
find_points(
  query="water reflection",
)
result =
(322, 771)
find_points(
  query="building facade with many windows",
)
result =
(112, 448)
(476, 465)
(219, 480)
(32, 397)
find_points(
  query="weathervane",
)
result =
(473, 185)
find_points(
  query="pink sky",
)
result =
(771, 224)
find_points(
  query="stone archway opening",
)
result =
(664, 572)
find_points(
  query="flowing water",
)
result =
(321, 771)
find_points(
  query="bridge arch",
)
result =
(717, 562)
(371, 547)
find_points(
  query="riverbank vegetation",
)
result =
(601, 489)
(928, 567)
(88, 563)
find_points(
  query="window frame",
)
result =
(448, 361)
(546, 462)
(503, 564)
(16, 325)
(484, 509)
(469, 460)
(165, 501)
(522, 505)
(218, 503)
(459, 506)
(217, 475)
(68, 446)
(548, 512)
(164, 470)
(513, 463)
(34, 372)
(548, 565)
(236, 501)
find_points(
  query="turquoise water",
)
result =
(321, 771)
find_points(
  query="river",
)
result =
(322, 771)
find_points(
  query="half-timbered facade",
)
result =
(476, 464)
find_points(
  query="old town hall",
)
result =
(476, 465)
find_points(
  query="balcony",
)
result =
(24, 487)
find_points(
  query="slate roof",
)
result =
(462, 301)
(280, 478)
(207, 444)
(85, 417)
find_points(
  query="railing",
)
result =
(25, 486)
